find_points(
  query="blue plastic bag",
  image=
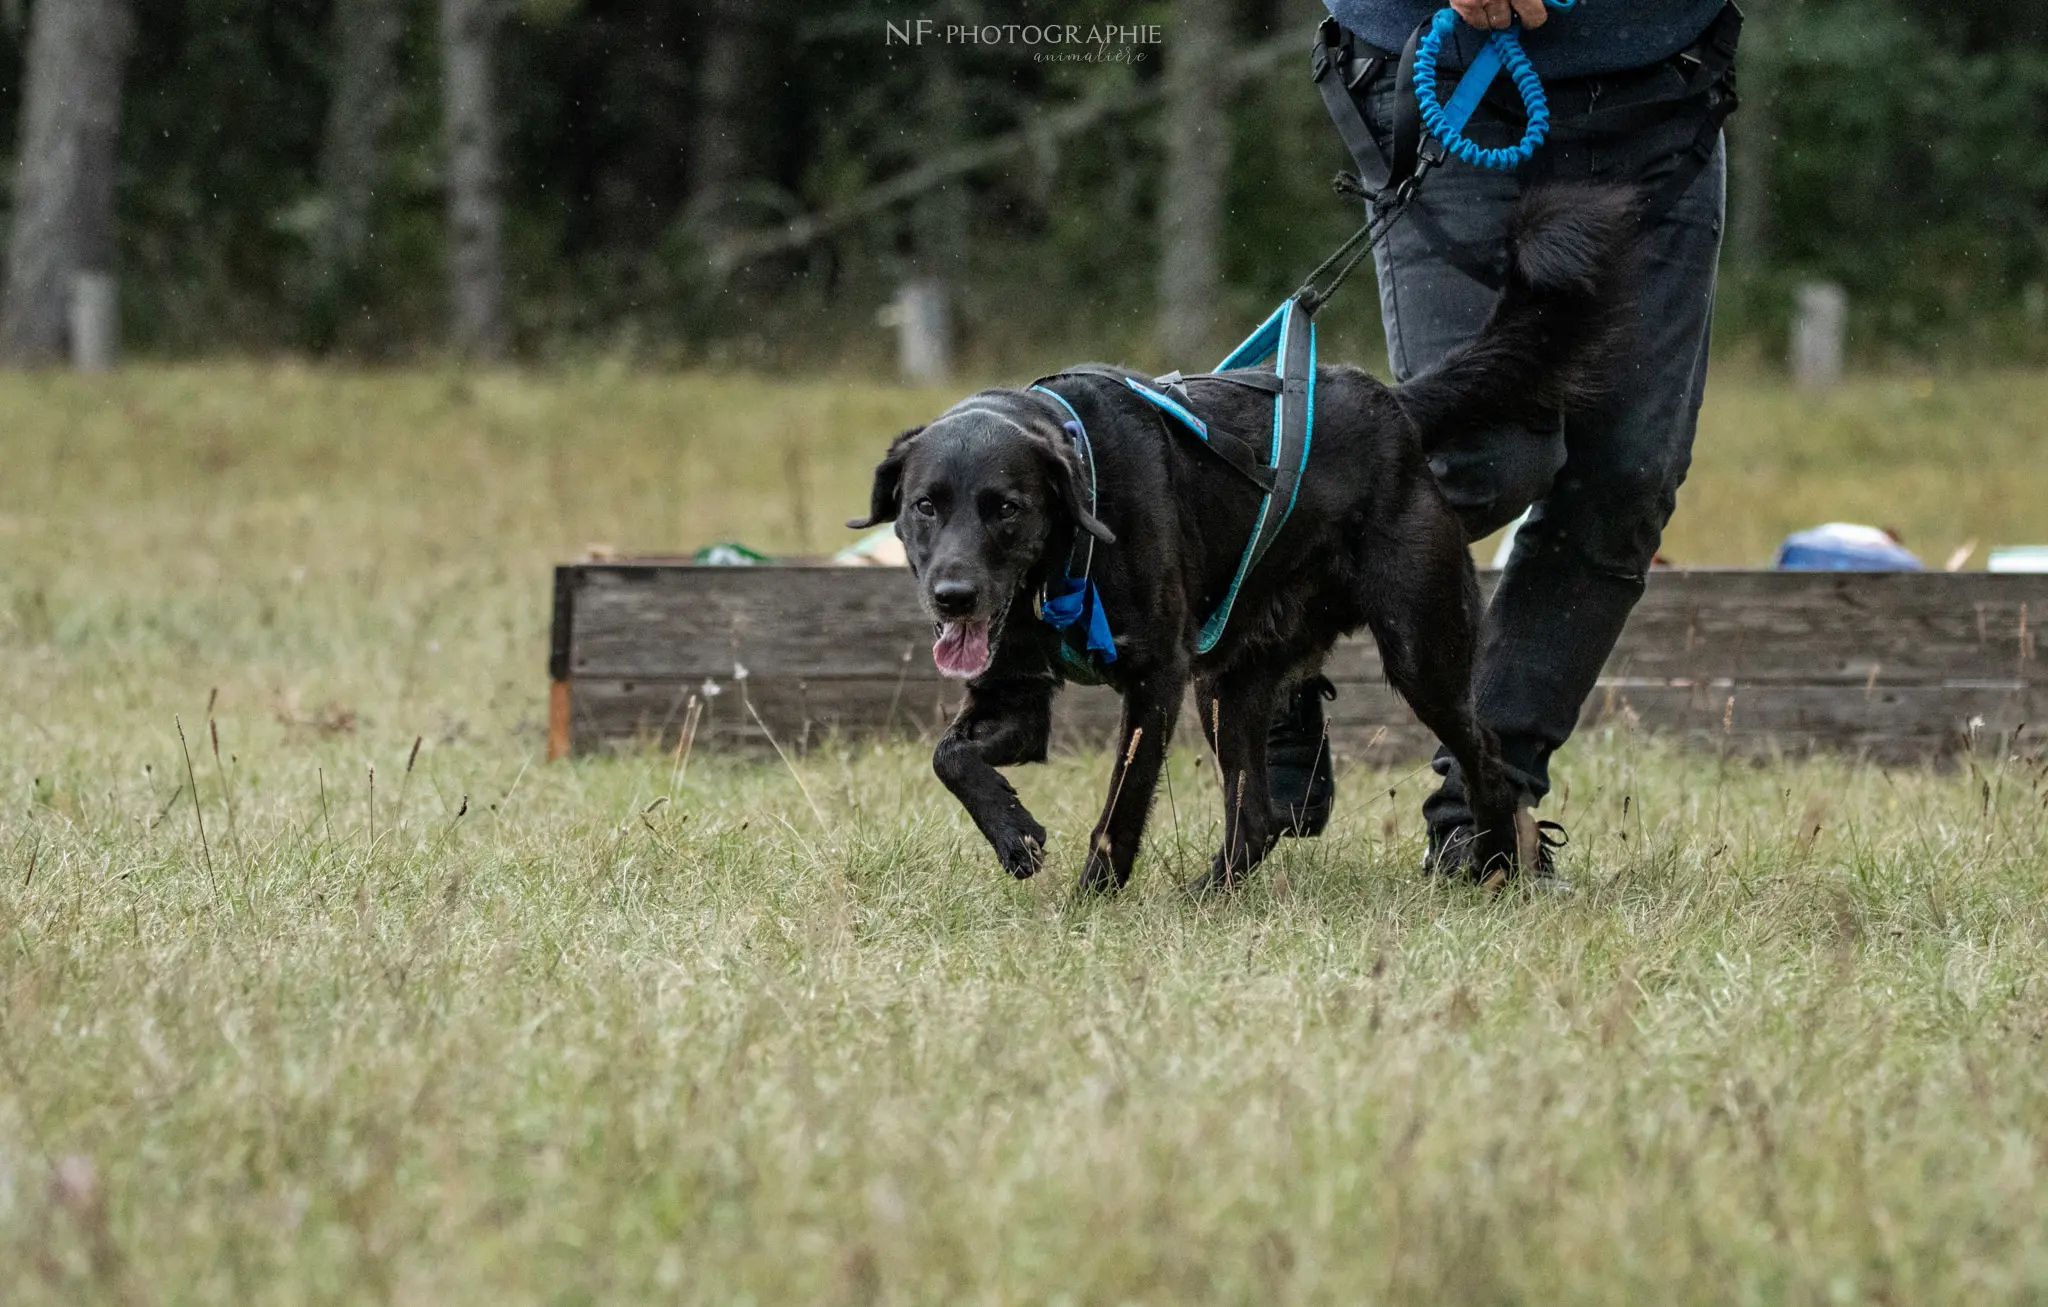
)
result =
(1845, 547)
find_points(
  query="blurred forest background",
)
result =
(747, 182)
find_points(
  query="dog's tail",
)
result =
(1550, 341)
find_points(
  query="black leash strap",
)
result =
(1387, 181)
(1339, 73)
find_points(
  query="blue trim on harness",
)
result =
(1269, 341)
(1167, 402)
(1259, 346)
(1308, 437)
(1078, 596)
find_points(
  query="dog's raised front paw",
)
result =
(1022, 851)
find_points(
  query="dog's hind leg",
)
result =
(1423, 607)
(1151, 708)
(1004, 722)
(1237, 708)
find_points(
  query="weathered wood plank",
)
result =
(1851, 628)
(1900, 723)
(687, 623)
(1902, 627)
(799, 713)
(1892, 665)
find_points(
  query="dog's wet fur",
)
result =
(991, 498)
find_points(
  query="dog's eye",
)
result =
(1008, 509)
(925, 508)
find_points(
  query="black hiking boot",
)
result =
(1298, 759)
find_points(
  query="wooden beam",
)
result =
(1895, 666)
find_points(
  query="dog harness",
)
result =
(1288, 338)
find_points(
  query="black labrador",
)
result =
(992, 500)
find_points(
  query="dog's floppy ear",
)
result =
(1063, 470)
(887, 490)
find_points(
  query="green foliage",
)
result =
(1904, 148)
(1908, 160)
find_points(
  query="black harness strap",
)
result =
(1339, 73)
(1263, 382)
(1289, 338)
(1235, 452)
(1713, 77)
(1231, 449)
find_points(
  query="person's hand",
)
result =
(1493, 15)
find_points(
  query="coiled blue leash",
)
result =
(1446, 122)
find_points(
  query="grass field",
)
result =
(481, 1029)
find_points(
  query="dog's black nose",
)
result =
(953, 598)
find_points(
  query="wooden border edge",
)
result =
(560, 709)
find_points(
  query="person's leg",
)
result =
(1581, 561)
(1585, 553)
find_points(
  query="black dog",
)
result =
(992, 501)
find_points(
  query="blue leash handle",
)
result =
(1446, 122)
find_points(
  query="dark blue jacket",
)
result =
(1593, 36)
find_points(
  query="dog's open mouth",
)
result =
(963, 649)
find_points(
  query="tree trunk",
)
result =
(476, 268)
(359, 115)
(1197, 131)
(940, 231)
(729, 111)
(64, 183)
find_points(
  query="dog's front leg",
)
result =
(1003, 723)
(1236, 708)
(1151, 707)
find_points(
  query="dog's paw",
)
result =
(1098, 875)
(1022, 851)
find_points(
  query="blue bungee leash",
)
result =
(1446, 122)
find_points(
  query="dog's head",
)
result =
(981, 498)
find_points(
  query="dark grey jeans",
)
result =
(1600, 485)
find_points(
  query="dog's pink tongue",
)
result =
(961, 651)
